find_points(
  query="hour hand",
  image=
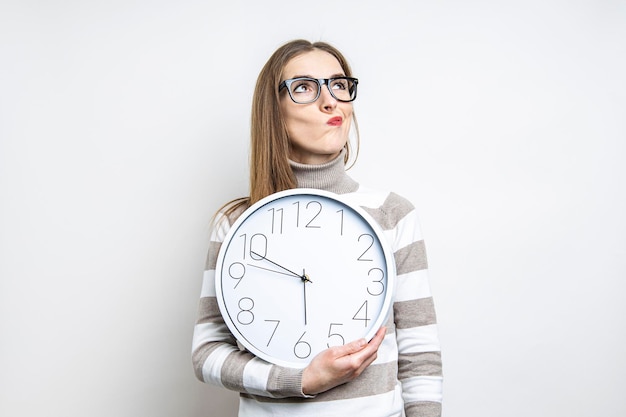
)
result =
(303, 277)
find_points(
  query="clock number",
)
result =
(335, 335)
(381, 284)
(245, 247)
(340, 222)
(258, 246)
(369, 238)
(310, 224)
(245, 315)
(361, 314)
(236, 271)
(274, 331)
(302, 349)
(297, 204)
(277, 220)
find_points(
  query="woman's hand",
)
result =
(340, 364)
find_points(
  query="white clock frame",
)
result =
(280, 274)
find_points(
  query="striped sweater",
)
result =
(406, 378)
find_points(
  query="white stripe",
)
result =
(412, 285)
(390, 235)
(389, 404)
(366, 197)
(212, 367)
(410, 227)
(423, 388)
(208, 284)
(406, 232)
(255, 376)
(418, 339)
(388, 351)
(412, 222)
(209, 332)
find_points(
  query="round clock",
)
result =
(303, 270)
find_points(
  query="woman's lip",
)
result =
(335, 121)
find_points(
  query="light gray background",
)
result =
(124, 125)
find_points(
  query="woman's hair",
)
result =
(270, 170)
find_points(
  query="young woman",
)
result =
(302, 114)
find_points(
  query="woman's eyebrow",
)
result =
(340, 74)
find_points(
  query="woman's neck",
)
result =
(330, 176)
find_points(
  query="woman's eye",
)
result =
(302, 87)
(340, 84)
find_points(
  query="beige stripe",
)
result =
(232, 370)
(423, 409)
(211, 259)
(411, 258)
(419, 364)
(209, 311)
(415, 313)
(376, 379)
(285, 382)
(391, 212)
(198, 357)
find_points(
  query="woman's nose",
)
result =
(327, 101)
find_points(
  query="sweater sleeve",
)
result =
(419, 352)
(217, 359)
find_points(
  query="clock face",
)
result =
(301, 271)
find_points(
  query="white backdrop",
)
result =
(124, 125)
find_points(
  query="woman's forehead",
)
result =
(316, 64)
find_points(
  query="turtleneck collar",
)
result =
(330, 176)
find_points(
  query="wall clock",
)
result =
(303, 270)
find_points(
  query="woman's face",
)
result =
(317, 131)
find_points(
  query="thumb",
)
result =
(352, 347)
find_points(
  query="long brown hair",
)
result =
(270, 171)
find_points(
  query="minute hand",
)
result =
(303, 277)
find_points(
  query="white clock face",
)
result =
(301, 271)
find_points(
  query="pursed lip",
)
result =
(335, 121)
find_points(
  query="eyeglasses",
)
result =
(304, 90)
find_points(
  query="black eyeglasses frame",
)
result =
(320, 82)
